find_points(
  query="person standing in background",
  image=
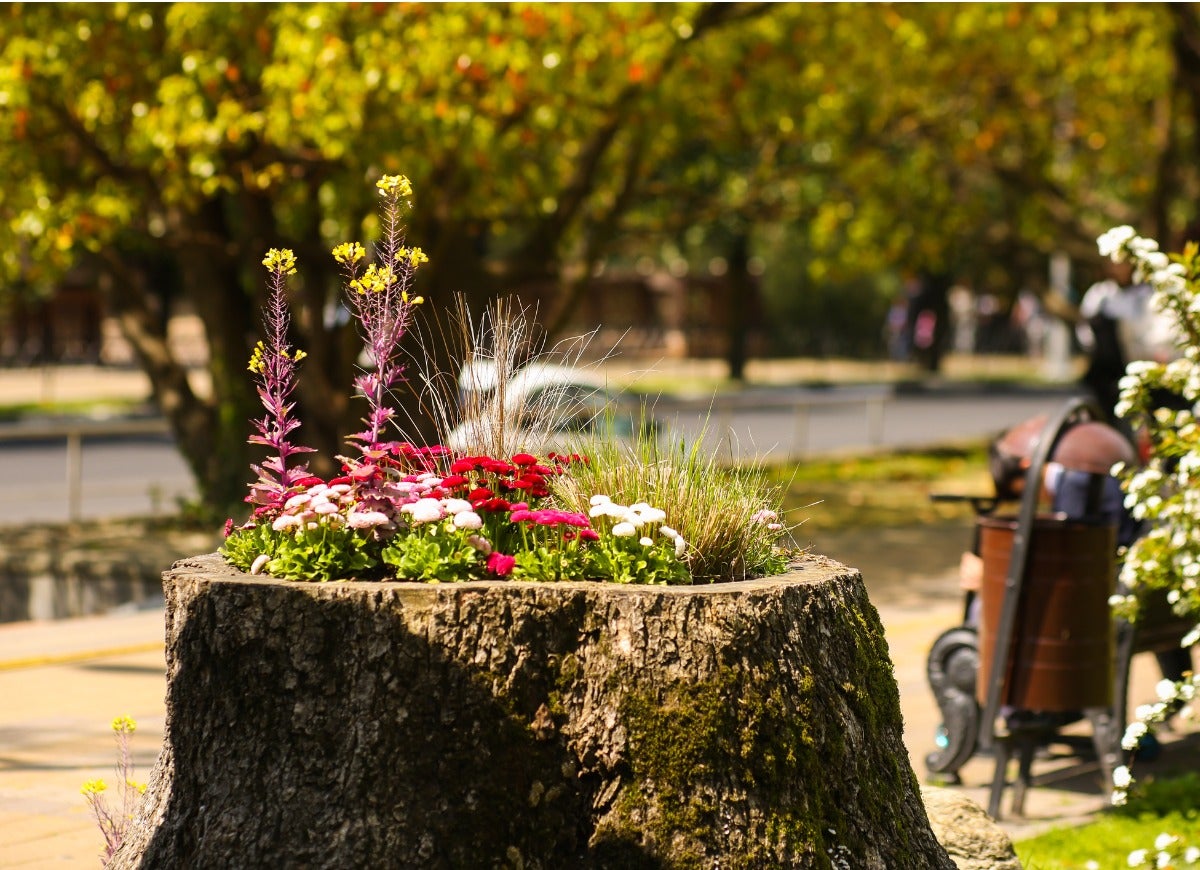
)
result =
(1117, 326)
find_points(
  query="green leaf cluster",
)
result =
(624, 560)
(320, 555)
(433, 553)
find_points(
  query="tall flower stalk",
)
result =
(379, 298)
(273, 365)
(114, 822)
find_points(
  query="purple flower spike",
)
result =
(273, 365)
(378, 296)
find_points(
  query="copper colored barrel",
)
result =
(1063, 644)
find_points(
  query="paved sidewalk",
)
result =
(63, 683)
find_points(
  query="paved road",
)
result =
(120, 477)
(138, 476)
(792, 424)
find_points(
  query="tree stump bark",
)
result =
(529, 725)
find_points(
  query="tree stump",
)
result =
(529, 725)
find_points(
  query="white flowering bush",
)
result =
(1159, 399)
(1169, 852)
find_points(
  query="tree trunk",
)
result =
(740, 292)
(589, 725)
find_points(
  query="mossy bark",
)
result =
(752, 724)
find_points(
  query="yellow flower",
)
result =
(415, 256)
(139, 787)
(349, 252)
(93, 787)
(256, 365)
(124, 723)
(374, 280)
(394, 185)
(280, 260)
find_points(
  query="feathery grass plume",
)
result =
(273, 365)
(503, 355)
(378, 296)
(114, 824)
(728, 516)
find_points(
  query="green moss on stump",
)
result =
(676, 743)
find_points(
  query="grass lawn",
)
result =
(1169, 805)
(887, 489)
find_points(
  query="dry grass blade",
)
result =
(487, 406)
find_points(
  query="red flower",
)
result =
(500, 564)
(522, 515)
(467, 463)
(524, 459)
(494, 504)
(311, 480)
(340, 480)
(479, 494)
(567, 460)
(589, 535)
(552, 517)
(453, 480)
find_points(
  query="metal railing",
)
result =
(73, 432)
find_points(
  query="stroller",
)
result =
(1038, 648)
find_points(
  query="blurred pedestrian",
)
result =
(1117, 326)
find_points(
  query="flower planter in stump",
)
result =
(533, 725)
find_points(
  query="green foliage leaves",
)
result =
(626, 560)
(321, 554)
(877, 128)
(433, 553)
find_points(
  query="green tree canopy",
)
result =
(168, 146)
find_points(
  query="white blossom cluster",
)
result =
(638, 517)
(1165, 493)
(1173, 698)
(1168, 851)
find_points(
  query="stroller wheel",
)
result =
(951, 668)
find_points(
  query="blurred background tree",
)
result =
(801, 158)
